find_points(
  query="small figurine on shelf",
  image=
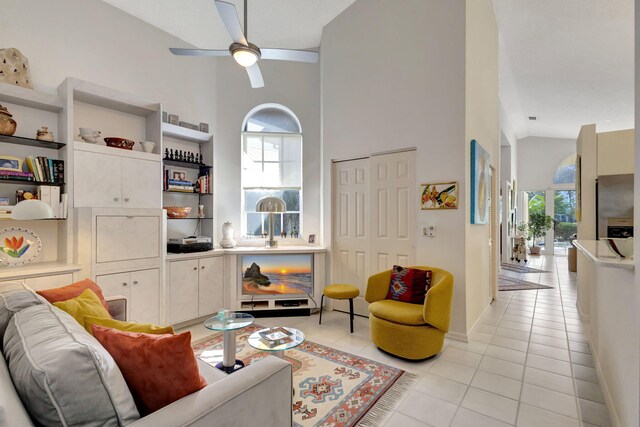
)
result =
(166, 154)
(171, 155)
(283, 234)
(197, 159)
(294, 233)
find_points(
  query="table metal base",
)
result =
(229, 369)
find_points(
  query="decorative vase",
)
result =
(227, 236)
(44, 134)
(7, 124)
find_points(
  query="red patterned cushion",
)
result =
(409, 284)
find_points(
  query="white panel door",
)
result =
(141, 184)
(97, 180)
(351, 229)
(145, 296)
(211, 284)
(392, 209)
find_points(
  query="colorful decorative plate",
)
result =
(18, 246)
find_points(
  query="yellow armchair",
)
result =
(410, 331)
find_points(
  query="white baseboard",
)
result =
(583, 317)
(458, 336)
(613, 415)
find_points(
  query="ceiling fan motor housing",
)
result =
(247, 48)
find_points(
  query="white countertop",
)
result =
(243, 250)
(598, 252)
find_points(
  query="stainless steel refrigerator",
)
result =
(614, 202)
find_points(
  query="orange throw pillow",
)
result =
(159, 369)
(73, 290)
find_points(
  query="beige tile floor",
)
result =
(527, 364)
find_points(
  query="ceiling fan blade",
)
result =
(230, 19)
(198, 52)
(255, 76)
(290, 55)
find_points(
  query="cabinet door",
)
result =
(210, 281)
(141, 184)
(183, 290)
(116, 285)
(123, 238)
(96, 180)
(145, 296)
(48, 282)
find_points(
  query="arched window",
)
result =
(271, 166)
(566, 172)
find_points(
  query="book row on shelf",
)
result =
(41, 169)
(181, 185)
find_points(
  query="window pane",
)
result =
(292, 224)
(292, 199)
(277, 223)
(292, 157)
(253, 148)
(564, 224)
(537, 205)
(271, 175)
(272, 147)
(272, 120)
(254, 224)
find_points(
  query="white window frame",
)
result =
(245, 134)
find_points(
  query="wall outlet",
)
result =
(431, 230)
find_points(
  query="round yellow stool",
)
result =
(340, 292)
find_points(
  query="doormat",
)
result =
(332, 388)
(520, 268)
(510, 284)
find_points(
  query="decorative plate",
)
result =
(18, 246)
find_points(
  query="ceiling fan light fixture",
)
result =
(245, 55)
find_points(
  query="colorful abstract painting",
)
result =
(439, 196)
(480, 190)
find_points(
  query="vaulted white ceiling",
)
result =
(567, 62)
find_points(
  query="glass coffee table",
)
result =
(294, 339)
(229, 324)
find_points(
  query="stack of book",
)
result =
(5, 212)
(204, 183)
(45, 169)
(22, 176)
(178, 185)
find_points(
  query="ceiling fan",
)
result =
(245, 53)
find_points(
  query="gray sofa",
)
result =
(259, 394)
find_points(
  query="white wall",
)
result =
(378, 98)
(481, 124)
(93, 41)
(294, 85)
(539, 158)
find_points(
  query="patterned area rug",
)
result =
(332, 388)
(510, 284)
(520, 268)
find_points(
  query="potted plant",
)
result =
(538, 225)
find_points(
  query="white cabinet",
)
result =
(127, 237)
(210, 285)
(195, 288)
(45, 282)
(142, 290)
(111, 181)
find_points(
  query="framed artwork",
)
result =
(312, 238)
(480, 190)
(10, 163)
(178, 175)
(441, 195)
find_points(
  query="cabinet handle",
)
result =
(135, 282)
(195, 268)
(124, 283)
(126, 199)
(202, 267)
(115, 199)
